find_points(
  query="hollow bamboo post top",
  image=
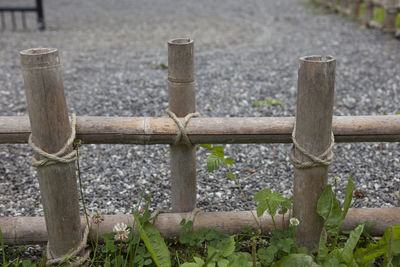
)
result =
(181, 60)
(315, 88)
(39, 57)
(45, 97)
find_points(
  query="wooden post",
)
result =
(354, 9)
(50, 130)
(368, 13)
(344, 6)
(181, 99)
(389, 22)
(313, 133)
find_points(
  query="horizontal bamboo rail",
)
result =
(147, 131)
(32, 230)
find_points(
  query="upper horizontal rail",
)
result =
(239, 130)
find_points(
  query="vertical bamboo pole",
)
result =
(181, 99)
(389, 21)
(315, 97)
(369, 13)
(50, 130)
(354, 9)
(344, 6)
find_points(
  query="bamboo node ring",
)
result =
(181, 136)
(75, 263)
(324, 159)
(58, 157)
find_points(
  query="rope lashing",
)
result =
(74, 263)
(324, 159)
(181, 137)
(58, 157)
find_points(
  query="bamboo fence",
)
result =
(50, 128)
(352, 9)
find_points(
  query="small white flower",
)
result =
(96, 217)
(294, 221)
(336, 180)
(121, 231)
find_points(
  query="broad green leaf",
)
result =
(154, 242)
(347, 253)
(348, 196)
(390, 239)
(242, 259)
(228, 161)
(323, 251)
(228, 247)
(328, 207)
(285, 244)
(267, 254)
(191, 264)
(222, 263)
(301, 260)
(208, 146)
(213, 162)
(198, 260)
(218, 151)
(268, 200)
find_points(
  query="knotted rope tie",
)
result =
(181, 137)
(323, 159)
(58, 157)
(74, 263)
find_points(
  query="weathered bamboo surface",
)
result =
(314, 110)
(32, 230)
(147, 131)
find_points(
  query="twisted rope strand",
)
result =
(58, 157)
(82, 245)
(181, 136)
(324, 159)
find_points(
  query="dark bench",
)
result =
(38, 9)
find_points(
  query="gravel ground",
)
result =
(246, 50)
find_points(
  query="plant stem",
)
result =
(247, 203)
(81, 191)
(2, 248)
(272, 217)
(244, 198)
(95, 248)
(253, 252)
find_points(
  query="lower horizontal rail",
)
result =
(32, 230)
(246, 130)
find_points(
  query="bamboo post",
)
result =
(316, 79)
(344, 5)
(50, 130)
(355, 9)
(368, 13)
(389, 21)
(181, 99)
